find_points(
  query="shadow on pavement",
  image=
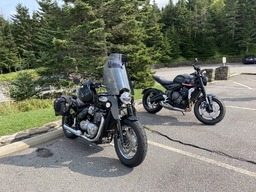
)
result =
(76, 155)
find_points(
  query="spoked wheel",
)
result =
(132, 151)
(151, 107)
(68, 120)
(209, 117)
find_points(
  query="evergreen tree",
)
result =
(228, 31)
(23, 31)
(170, 31)
(126, 34)
(72, 38)
(246, 32)
(8, 51)
(88, 38)
(155, 40)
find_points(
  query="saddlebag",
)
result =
(61, 105)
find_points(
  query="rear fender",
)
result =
(154, 89)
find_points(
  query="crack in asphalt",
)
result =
(201, 148)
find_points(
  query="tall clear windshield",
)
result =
(115, 74)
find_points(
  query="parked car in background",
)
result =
(249, 59)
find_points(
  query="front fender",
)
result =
(132, 118)
(208, 98)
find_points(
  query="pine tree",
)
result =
(8, 51)
(246, 31)
(72, 38)
(155, 40)
(126, 34)
(23, 31)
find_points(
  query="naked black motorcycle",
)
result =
(100, 117)
(184, 92)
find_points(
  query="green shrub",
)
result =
(23, 87)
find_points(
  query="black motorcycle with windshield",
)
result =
(101, 117)
(182, 93)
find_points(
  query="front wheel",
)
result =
(209, 117)
(132, 151)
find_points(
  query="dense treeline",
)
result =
(78, 34)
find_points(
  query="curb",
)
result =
(248, 73)
(21, 145)
(21, 135)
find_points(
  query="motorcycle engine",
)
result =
(179, 98)
(90, 119)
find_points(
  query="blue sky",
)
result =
(8, 7)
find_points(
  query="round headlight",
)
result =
(126, 98)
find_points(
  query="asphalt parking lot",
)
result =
(183, 154)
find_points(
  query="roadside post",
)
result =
(224, 61)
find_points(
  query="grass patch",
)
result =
(25, 120)
(22, 115)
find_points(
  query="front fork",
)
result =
(207, 97)
(131, 115)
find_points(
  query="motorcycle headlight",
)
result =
(126, 98)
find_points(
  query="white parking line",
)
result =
(205, 159)
(242, 85)
(236, 107)
(226, 87)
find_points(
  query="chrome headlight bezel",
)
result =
(126, 98)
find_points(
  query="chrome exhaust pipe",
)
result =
(168, 106)
(75, 132)
(79, 133)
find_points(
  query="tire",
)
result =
(68, 120)
(129, 155)
(148, 106)
(209, 118)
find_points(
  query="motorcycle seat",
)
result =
(162, 80)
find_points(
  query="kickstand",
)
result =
(183, 113)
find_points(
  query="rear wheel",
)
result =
(151, 107)
(132, 151)
(68, 120)
(206, 116)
